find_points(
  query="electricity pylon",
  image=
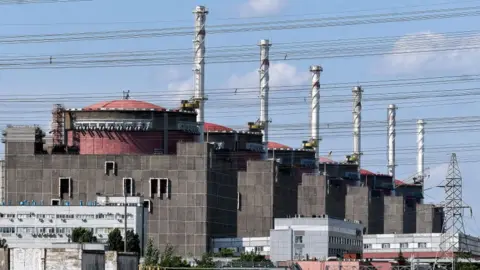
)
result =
(453, 228)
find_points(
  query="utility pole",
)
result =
(125, 217)
(453, 228)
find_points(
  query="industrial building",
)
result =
(422, 247)
(200, 180)
(34, 225)
(317, 237)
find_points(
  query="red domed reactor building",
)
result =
(128, 127)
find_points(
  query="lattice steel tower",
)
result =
(453, 227)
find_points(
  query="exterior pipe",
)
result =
(391, 141)
(199, 67)
(315, 112)
(421, 152)
(357, 124)
(264, 90)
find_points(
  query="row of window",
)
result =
(333, 252)
(67, 216)
(53, 230)
(344, 241)
(402, 245)
(158, 187)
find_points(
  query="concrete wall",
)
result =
(186, 220)
(66, 258)
(394, 214)
(429, 218)
(267, 191)
(316, 197)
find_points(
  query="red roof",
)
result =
(367, 172)
(272, 145)
(214, 127)
(125, 104)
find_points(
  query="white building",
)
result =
(38, 226)
(426, 246)
(295, 238)
(319, 237)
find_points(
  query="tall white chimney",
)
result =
(199, 66)
(421, 151)
(315, 112)
(264, 89)
(391, 141)
(357, 122)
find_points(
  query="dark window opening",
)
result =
(55, 202)
(164, 188)
(128, 186)
(65, 189)
(110, 168)
(153, 187)
(239, 201)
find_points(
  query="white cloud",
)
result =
(179, 87)
(262, 7)
(433, 55)
(281, 74)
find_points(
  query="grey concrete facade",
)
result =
(319, 197)
(366, 206)
(265, 193)
(202, 192)
(209, 192)
(429, 218)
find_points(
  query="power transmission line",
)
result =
(250, 27)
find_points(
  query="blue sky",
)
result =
(175, 81)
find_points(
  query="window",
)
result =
(367, 246)
(239, 198)
(385, 245)
(164, 188)
(110, 168)
(64, 187)
(127, 187)
(258, 249)
(55, 202)
(403, 245)
(148, 205)
(298, 239)
(422, 245)
(154, 187)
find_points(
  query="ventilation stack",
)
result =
(199, 67)
(315, 112)
(421, 152)
(264, 89)
(391, 141)
(357, 124)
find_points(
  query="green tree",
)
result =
(401, 259)
(3, 243)
(83, 235)
(169, 259)
(252, 259)
(206, 261)
(226, 253)
(152, 254)
(115, 240)
(133, 242)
